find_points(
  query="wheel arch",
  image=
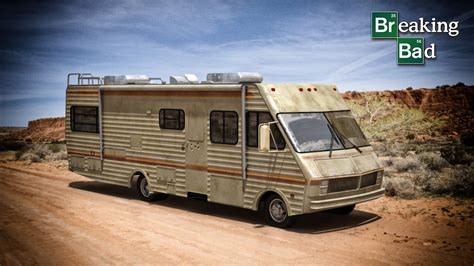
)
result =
(135, 173)
(264, 194)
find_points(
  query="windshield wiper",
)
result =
(348, 140)
(333, 136)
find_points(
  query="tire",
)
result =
(343, 210)
(144, 193)
(276, 212)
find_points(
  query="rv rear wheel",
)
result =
(343, 210)
(276, 212)
(144, 192)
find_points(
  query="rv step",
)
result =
(197, 196)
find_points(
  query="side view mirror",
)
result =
(264, 137)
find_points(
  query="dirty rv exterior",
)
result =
(284, 149)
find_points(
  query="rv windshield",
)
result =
(311, 132)
(345, 125)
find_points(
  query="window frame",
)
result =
(162, 122)
(223, 127)
(72, 114)
(247, 134)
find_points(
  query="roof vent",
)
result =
(238, 77)
(126, 79)
(185, 79)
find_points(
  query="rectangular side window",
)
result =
(256, 118)
(224, 127)
(85, 119)
(172, 119)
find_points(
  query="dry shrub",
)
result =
(433, 161)
(456, 154)
(410, 163)
(400, 186)
(42, 152)
(35, 153)
(58, 156)
(393, 149)
(457, 181)
(384, 120)
(427, 173)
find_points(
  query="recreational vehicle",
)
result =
(282, 149)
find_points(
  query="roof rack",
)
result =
(84, 79)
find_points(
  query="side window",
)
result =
(256, 118)
(85, 119)
(224, 127)
(172, 119)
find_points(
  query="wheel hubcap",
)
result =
(277, 210)
(144, 188)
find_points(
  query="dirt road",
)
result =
(49, 215)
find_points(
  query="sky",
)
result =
(285, 41)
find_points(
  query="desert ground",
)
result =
(52, 216)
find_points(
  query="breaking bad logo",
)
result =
(410, 50)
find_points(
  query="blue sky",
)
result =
(286, 41)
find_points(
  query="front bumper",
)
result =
(326, 204)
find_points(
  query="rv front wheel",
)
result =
(276, 212)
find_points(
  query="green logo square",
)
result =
(384, 24)
(410, 51)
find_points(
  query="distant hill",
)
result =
(42, 130)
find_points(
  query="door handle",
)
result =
(183, 147)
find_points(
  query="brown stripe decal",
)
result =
(175, 93)
(83, 153)
(197, 167)
(143, 161)
(276, 178)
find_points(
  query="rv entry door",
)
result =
(196, 150)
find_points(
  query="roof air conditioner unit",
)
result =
(185, 79)
(126, 79)
(238, 77)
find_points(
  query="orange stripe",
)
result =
(197, 167)
(143, 161)
(83, 153)
(277, 178)
(175, 93)
(314, 182)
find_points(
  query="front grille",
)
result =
(343, 184)
(368, 180)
